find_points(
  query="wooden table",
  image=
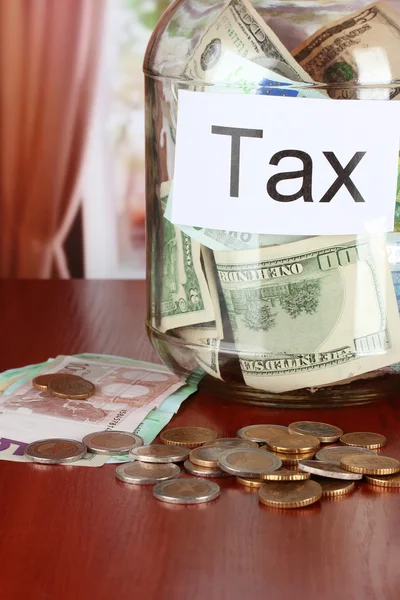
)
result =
(74, 533)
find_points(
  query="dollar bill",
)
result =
(362, 48)
(311, 313)
(205, 343)
(185, 297)
(127, 393)
(239, 29)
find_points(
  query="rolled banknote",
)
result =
(362, 48)
(311, 313)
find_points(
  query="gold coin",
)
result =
(233, 443)
(323, 431)
(189, 437)
(370, 465)
(391, 481)
(335, 487)
(206, 456)
(291, 460)
(363, 439)
(41, 382)
(285, 475)
(261, 433)
(291, 494)
(71, 387)
(250, 482)
(293, 443)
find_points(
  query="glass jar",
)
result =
(264, 328)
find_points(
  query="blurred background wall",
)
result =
(72, 137)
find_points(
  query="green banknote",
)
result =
(185, 296)
(311, 313)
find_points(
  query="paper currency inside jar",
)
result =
(273, 202)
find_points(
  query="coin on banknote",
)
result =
(290, 494)
(285, 475)
(158, 453)
(390, 481)
(141, 473)
(334, 487)
(186, 491)
(335, 454)
(292, 460)
(324, 469)
(206, 456)
(55, 451)
(41, 382)
(363, 439)
(112, 442)
(203, 471)
(248, 462)
(323, 431)
(189, 437)
(293, 443)
(233, 443)
(70, 387)
(260, 433)
(252, 482)
(370, 465)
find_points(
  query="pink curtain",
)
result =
(49, 51)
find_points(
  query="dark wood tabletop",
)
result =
(72, 533)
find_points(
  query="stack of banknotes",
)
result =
(129, 395)
(298, 312)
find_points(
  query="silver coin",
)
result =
(325, 469)
(55, 451)
(186, 491)
(203, 471)
(112, 442)
(248, 462)
(142, 473)
(334, 454)
(159, 453)
(260, 433)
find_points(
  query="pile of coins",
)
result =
(64, 385)
(286, 465)
(275, 460)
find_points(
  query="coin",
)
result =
(248, 462)
(55, 451)
(158, 453)
(260, 433)
(370, 465)
(144, 473)
(233, 443)
(293, 443)
(285, 475)
(112, 442)
(206, 456)
(291, 460)
(40, 382)
(189, 437)
(186, 491)
(323, 431)
(331, 487)
(390, 481)
(73, 388)
(324, 469)
(203, 471)
(363, 439)
(334, 455)
(291, 494)
(251, 482)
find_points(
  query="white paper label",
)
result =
(297, 166)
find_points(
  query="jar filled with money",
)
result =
(272, 145)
